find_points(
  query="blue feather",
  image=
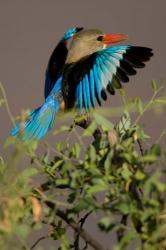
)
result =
(103, 69)
(42, 119)
(114, 63)
(86, 82)
(85, 94)
(17, 128)
(101, 78)
(110, 73)
(97, 83)
(110, 64)
(101, 74)
(81, 96)
(92, 87)
(70, 33)
(117, 49)
(57, 87)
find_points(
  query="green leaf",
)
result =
(139, 175)
(23, 179)
(23, 231)
(141, 134)
(122, 92)
(154, 86)
(27, 173)
(127, 238)
(2, 101)
(150, 158)
(58, 232)
(76, 149)
(57, 164)
(124, 124)
(31, 146)
(61, 182)
(103, 122)
(108, 163)
(99, 185)
(155, 149)
(9, 141)
(92, 153)
(85, 203)
(90, 129)
(161, 100)
(105, 224)
(61, 129)
(139, 105)
(96, 189)
(124, 208)
(125, 172)
(161, 186)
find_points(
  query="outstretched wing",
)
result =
(90, 79)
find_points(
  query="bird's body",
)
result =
(83, 76)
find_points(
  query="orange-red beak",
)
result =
(114, 38)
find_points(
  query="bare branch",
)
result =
(121, 231)
(38, 240)
(83, 234)
(140, 146)
(81, 221)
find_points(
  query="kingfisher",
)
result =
(89, 70)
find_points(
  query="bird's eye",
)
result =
(100, 38)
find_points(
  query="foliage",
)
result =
(109, 173)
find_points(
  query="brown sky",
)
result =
(29, 31)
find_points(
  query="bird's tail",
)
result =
(40, 121)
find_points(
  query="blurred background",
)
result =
(29, 31)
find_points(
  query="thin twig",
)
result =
(66, 158)
(140, 147)
(38, 240)
(81, 221)
(121, 231)
(55, 202)
(148, 105)
(137, 195)
(163, 133)
(7, 105)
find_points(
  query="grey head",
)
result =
(83, 44)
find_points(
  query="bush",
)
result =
(114, 176)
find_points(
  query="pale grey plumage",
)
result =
(86, 43)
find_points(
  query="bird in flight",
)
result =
(82, 75)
